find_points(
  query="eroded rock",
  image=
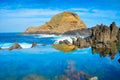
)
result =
(34, 44)
(15, 46)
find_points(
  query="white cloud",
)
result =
(79, 9)
(28, 12)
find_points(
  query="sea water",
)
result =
(46, 63)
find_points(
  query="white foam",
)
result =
(69, 38)
(25, 45)
(47, 35)
(63, 38)
(7, 45)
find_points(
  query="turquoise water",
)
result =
(45, 61)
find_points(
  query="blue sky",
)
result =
(17, 15)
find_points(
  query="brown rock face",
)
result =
(101, 33)
(104, 34)
(60, 23)
(114, 31)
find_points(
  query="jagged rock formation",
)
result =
(104, 34)
(60, 23)
(80, 42)
(15, 46)
(114, 31)
(118, 35)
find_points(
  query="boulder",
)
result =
(34, 44)
(64, 47)
(15, 46)
(59, 24)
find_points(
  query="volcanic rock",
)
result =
(60, 23)
(34, 44)
(114, 32)
(15, 46)
(64, 42)
(80, 42)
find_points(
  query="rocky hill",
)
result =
(60, 23)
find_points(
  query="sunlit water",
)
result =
(44, 62)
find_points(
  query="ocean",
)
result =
(46, 63)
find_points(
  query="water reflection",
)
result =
(106, 49)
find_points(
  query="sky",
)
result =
(18, 15)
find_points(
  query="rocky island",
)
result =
(59, 24)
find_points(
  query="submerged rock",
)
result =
(64, 47)
(0, 48)
(34, 77)
(94, 78)
(34, 44)
(15, 46)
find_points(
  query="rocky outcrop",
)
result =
(118, 35)
(113, 32)
(60, 23)
(64, 42)
(79, 32)
(100, 33)
(80, 42)
(104, 34)
(34, 44)
(15, 46)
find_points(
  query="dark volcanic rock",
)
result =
(104, 34)
(34, 44)
(15, 46)
(114, 31)
(100, 34)
(79, 32)
(80, 42)
(118, 35)
(64, 42)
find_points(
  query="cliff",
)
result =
(60, 23)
